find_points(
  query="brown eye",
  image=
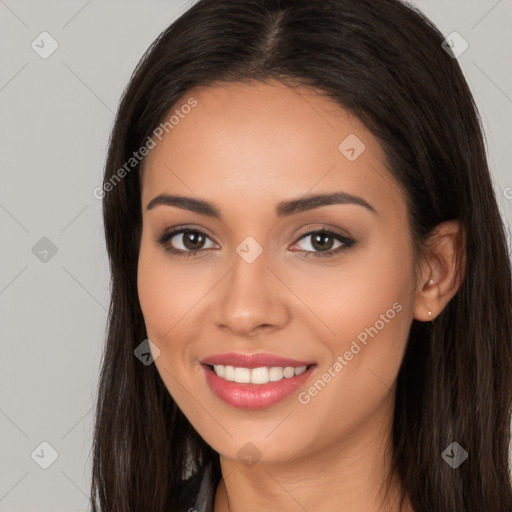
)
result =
(184, 242)
(322, 242)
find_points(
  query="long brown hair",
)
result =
(383, 61)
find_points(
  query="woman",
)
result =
(311, 291)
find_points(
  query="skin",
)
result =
(245, 148)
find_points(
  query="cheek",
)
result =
(173, 296)
(162, 300)
(152, 290)
(167, 292)
(372, 313)
(166, 296)
(345, 299)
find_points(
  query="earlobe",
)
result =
(426, 306)
(442, 270)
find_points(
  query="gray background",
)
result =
(56, 115)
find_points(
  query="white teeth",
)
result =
(275, 374)
(261, 375)
(229, 373)
(219, 369)
(288, 372)
(243, 375)
(300, 369)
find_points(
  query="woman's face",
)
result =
(255, 282)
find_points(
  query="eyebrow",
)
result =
(283, 209)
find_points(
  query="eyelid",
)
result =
(324, 229)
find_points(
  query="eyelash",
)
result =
(165, 237)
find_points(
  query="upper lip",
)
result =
(253, 360)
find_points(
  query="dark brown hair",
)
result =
(382, 60)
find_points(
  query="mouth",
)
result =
(252, 385)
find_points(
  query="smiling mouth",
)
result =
(255, 388)
(261, 375)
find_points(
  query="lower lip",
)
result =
(254, 396)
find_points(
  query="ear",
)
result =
(442, 271)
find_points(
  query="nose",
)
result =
(252, 299)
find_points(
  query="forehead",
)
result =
(263, 141)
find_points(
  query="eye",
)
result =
(188, 242)
(322, 241)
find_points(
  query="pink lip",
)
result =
(254, 396)
(253, 360)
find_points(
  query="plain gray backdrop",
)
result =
(56, 114)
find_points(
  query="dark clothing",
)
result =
(198, 493)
